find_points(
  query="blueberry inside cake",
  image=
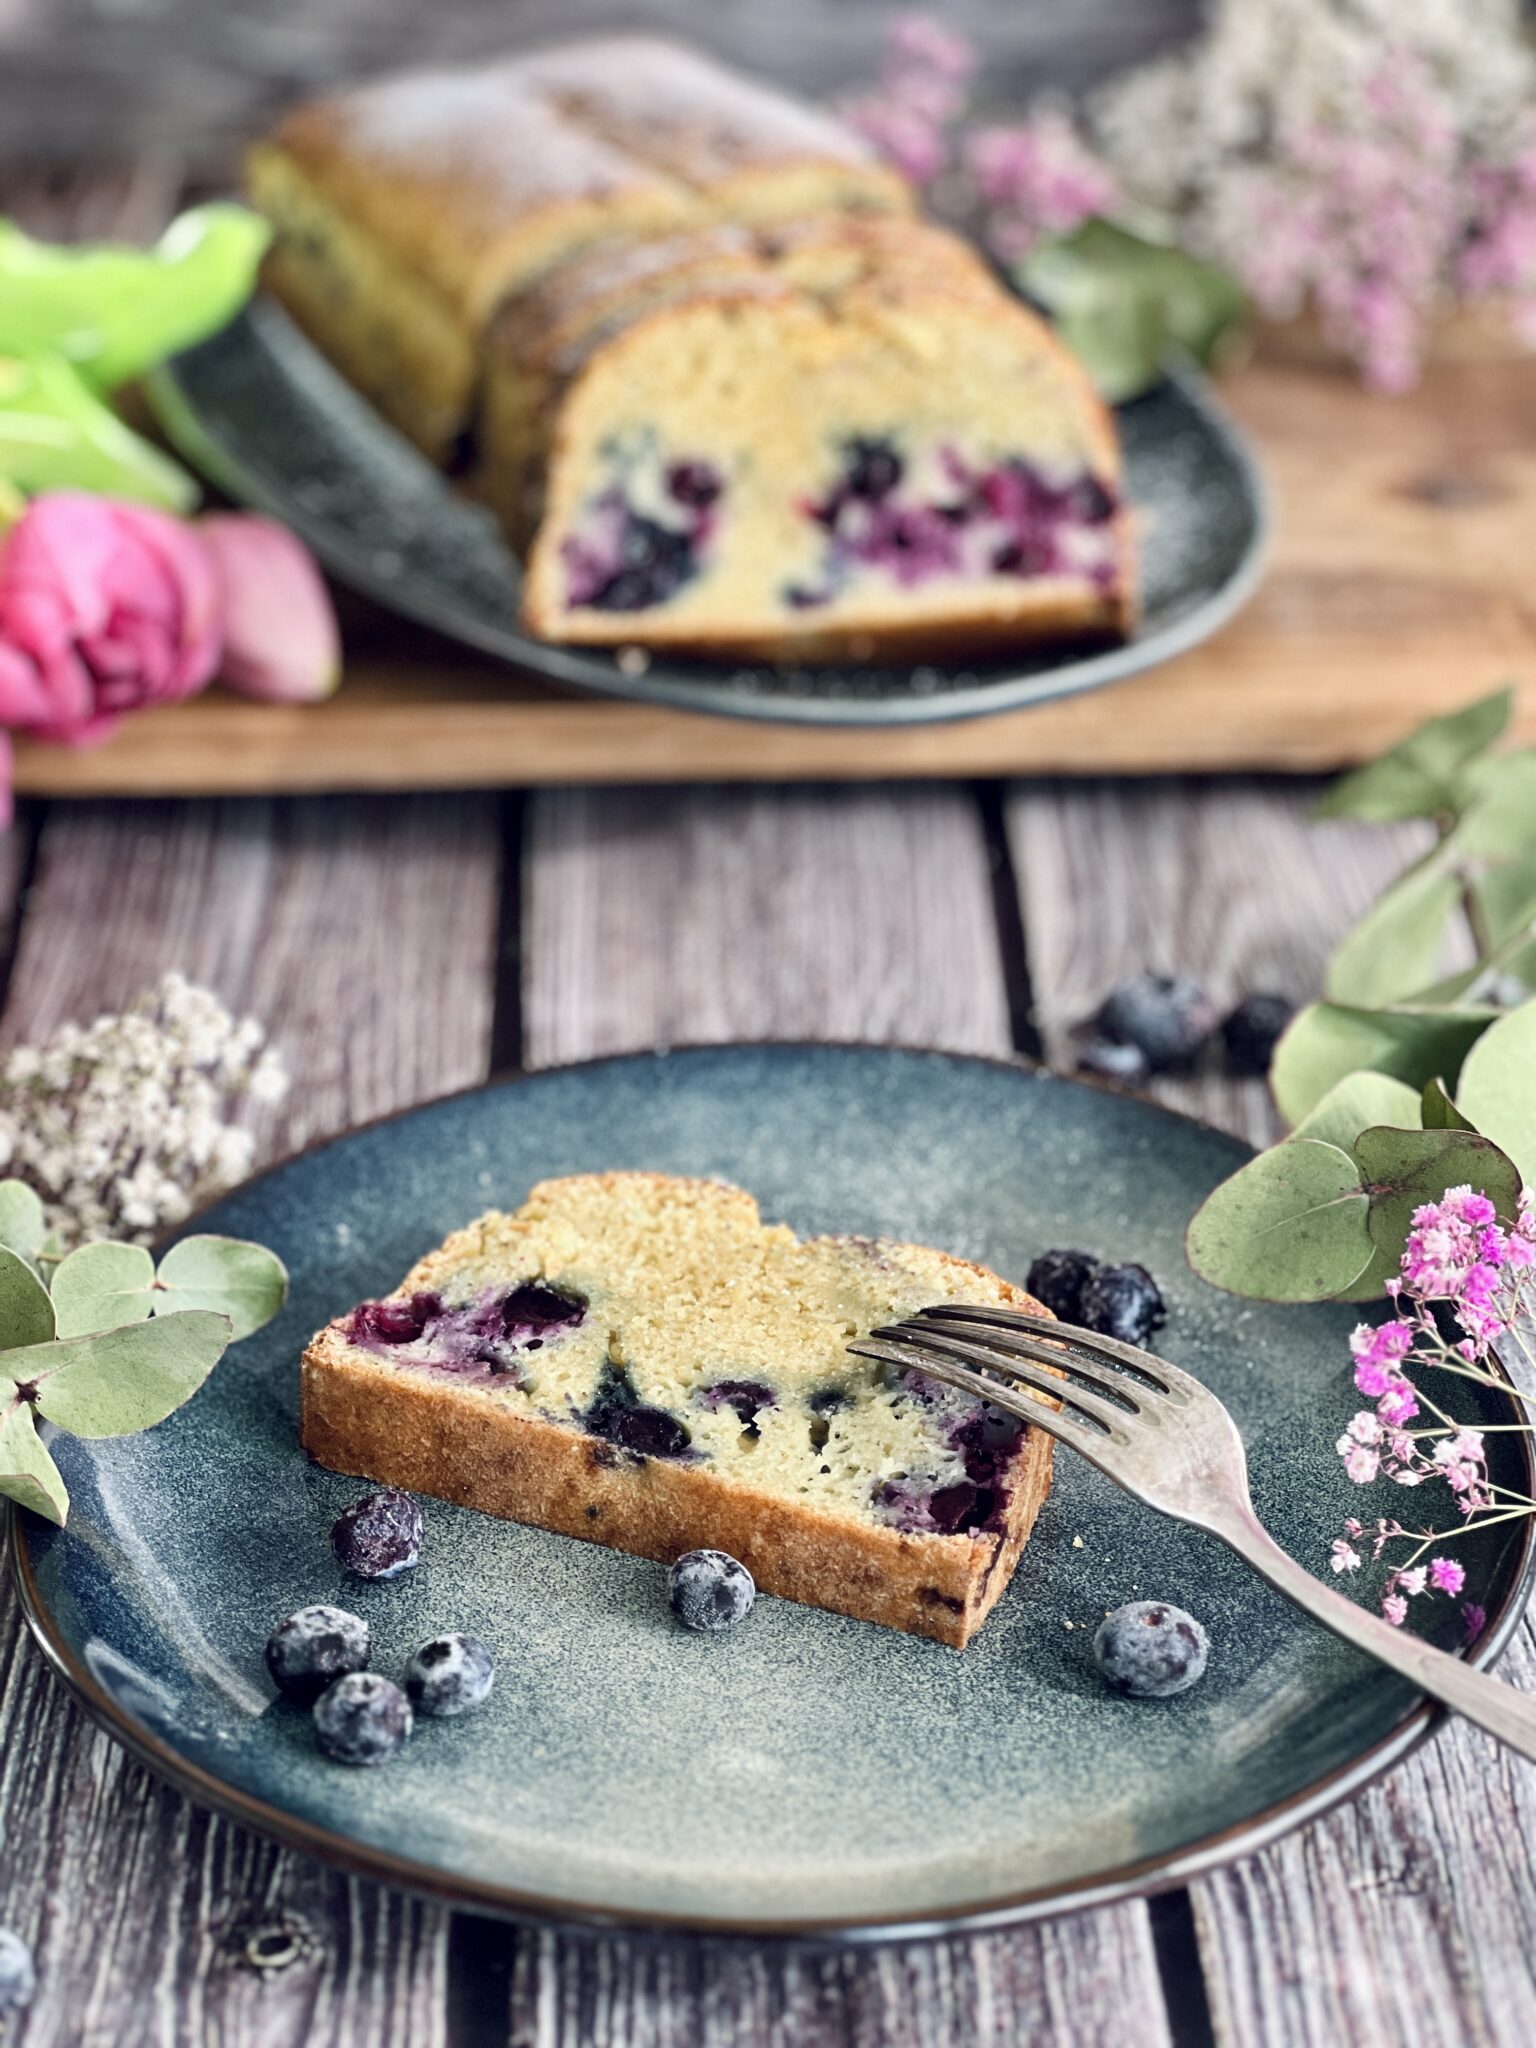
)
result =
(639, 1361)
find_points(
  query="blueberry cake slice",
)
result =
(638, 1360)
(837, 439)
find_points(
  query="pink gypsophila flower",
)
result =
(920, 40)
(1395, 1608)
(1446, 1575)
(1343, 1556)
(1397, 1405)
(1377, 1354)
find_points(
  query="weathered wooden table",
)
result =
(403, 946)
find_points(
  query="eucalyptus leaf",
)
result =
(1423, 776)
(1403, 1169)
(243, 1281)
(1504, 900)
(26, 1313)
(119, 1381)
(1354, 1104)
(1437, 1112)
(28, 1474)
(1394, 950)
(1372, 1283)
(1500, 823)
(22, 1223)
(115, 311)
(56, 434)
(1327, 1041)
(103, 1286)
(1125, 304)
(1288, 1226)
(1498, 1087)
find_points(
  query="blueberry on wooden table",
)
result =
(1166, 1017)
(1252, 1031)
(449, 1675)
(18, 1978)
(363, 1718)
(710, 1591)
(1149, 1650)
(379, 1536)
(307, 1651)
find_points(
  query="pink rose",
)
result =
(104, 607)
(280, 637)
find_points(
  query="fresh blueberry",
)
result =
(18, 1978)
(363, 1718)
(709, 1590)
(532, 1310)
(1251, 1033)
(379, 1536)
(1112, 1061)
(449, 1675)
(393, 1322)
(1150, 1650)
(873, 468)
(312, 1648)
(654, 563)
(1166, 1017)
(1124, 1302)
(1057, 1279)
(695, 484)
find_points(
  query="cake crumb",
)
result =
(633, 661)
(1077, 1542)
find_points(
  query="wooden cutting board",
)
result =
(1402, 582)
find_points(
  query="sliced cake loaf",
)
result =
(837, 439)
(638, 1360)
(408, 209)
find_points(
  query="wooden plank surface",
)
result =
(1409, 1916)
(1398, 587)
(364, 932)
(658, 917)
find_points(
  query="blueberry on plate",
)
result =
(379, 1536)
(449, 1675)
(1124, 1302)
(1168, 1018)
(18, 1978)
(1057, 1279)
(709, 1590)
(363, 1718)
(1149, 1650)
(1251, 1033)
(310, 1649)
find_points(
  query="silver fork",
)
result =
(1166, 1439)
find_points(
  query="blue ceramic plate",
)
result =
(263, 415)
(808, 1774)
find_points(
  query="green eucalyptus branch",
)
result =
(1398, 1084)
(114, 1343)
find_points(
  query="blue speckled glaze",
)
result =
(805, 1771)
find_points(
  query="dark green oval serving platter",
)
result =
(264, 416)
(807, 1775)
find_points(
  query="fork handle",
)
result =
(1504, 1712)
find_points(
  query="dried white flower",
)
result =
(126, 1125)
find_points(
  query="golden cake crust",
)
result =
(360, 1414)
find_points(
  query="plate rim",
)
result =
(584, 670)
(1139, 1878)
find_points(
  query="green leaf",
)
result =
(1498, 1087)
(1372, 1283)
(101, 1287)
(120, 1381)
(56, 434)
(1423, 776)
(1403, 1169)
(1124, 304)
(22, 1224)
(1327, 1041)
(1394, 950)
(27, 1471)
(1437, 1111)
(1288, 1226)
(243, 1281)
(115, 311)
(26, 1313)
(1504, 897)
(1500, 821)
(1354, 1104)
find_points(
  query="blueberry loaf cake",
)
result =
(638, 1360)
(828, 439)
(407, 210)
